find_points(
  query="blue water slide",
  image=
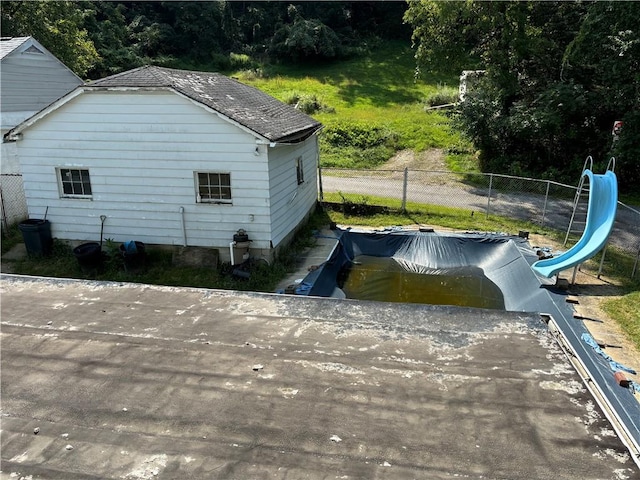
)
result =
(601, 215)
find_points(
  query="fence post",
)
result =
(404, 189)
(544, 208)
(320, 183)
(5, 222)
(489, 199)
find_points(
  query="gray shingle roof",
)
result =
(243, 104)
(9, 44)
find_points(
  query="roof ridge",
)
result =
(243, 104)
(160, 74)
(128, 73)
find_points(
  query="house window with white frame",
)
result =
(299, 170)
(74, 182)
(213, 187)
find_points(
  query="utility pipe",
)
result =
(184, 230)
(231, 245)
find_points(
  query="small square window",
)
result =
(74, 182)
(299, 170)
(213, 187)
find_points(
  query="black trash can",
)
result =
(89, 255)
(36, 234)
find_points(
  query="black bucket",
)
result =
(89, 255)
(36, 234)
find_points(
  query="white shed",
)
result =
(30, 79)
(170, 157)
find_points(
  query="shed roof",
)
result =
(139, 381)
(243, 104)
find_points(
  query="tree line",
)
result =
(557, 74)
(99, 38)
(557, 77)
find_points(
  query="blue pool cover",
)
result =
(505, 262)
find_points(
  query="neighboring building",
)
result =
(30, 79)
(170, 157)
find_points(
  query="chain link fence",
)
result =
(543, 202)
(13, 204)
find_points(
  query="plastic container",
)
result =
(89, 255)
(134, 254)
(36, 234)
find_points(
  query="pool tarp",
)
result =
(505, 261)
(501, 259)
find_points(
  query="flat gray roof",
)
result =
(138, 382)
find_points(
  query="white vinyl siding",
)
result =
(31, 81)
(142, 149)
(291, 201)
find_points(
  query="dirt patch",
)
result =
(431, 160)
(591, 293)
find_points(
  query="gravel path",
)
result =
(443, 188)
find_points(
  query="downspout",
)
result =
(184, 229)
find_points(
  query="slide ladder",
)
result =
(601, 214)
(578, 220)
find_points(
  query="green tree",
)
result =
(57, 25)
(557, 75)
(445, 34)
(605, 57)
(109, 30)
(305, 39)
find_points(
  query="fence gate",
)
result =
(13, 204)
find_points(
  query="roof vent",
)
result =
(34, 49)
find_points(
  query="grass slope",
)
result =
(377, 92)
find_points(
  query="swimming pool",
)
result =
(469, 270)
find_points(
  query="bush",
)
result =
(253, 74)
(240, 61)
(308, 104)
(443, 96)
(360, 135)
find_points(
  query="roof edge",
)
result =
(29, 40)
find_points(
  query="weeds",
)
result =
(158, 268)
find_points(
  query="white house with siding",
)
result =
(30, 79)
(170, 157)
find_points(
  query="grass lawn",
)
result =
(626, 311)
(375, 92)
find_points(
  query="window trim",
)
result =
(61, 183)
(218, 201)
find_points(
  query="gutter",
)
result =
(596, 391)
